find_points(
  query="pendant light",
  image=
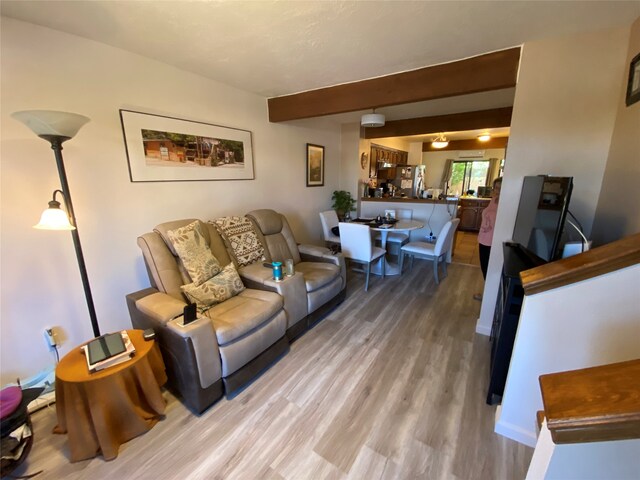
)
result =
(440, 141)
(372, 119)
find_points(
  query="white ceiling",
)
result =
(274, 48)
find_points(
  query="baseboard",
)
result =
(483, 329)
(514, 432)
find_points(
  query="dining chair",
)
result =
(358, 247)
(404, 214)
(436, 252)
(329, 220)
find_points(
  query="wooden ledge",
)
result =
(593, 404)
(598, 261)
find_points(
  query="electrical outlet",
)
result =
(51, 337)
(431, 238)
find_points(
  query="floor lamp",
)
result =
(56, 128)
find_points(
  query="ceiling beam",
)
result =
(492, 71)
(456, 122)
(468, 144)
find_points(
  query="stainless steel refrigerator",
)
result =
(410, 180)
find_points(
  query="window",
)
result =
(468, 175)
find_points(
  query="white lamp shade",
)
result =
(49, 122)
(54, 219)
(372, 120)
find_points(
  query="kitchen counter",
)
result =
(404, 200)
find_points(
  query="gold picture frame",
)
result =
(315, 165)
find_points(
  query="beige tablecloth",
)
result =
(102, 410)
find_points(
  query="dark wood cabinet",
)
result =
(387, 156)
(507, 315)
(470, 213)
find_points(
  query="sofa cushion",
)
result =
(217, 289)
(276, 234)
(194, 252)
(241, 239)
(317, 274)
(243, 313)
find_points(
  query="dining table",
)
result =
(400, 226)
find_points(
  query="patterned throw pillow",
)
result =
(223, 286)
(241, 237)
(194, 252)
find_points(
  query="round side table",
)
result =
(102, 410)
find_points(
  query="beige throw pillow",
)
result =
(223, 286)
(194, 252)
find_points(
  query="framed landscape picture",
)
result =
(167, 149)
(315, 165)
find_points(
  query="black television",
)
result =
(542, 211)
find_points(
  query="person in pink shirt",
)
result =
(485, 235)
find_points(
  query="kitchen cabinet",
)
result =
(470, 213)
(380, 154)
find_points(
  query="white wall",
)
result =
(46, 69)
(399, 143)
(415, 153)
(589, 323)
(618, 213)
(563, 117)
(351, 174)
(585, 461)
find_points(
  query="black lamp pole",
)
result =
(56, 145)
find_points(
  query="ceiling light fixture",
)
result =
(440, 141)
(372, 119)
(485, 137)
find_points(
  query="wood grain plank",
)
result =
(492, 71)
(592, 263)
(475, 120)
(593, 404)
(389, 386)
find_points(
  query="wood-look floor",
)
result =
(466, 248)
(391, 385)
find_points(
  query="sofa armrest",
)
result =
(184, 348)
(313, 253)
(292, 289)
(159, 307)
(205, 347)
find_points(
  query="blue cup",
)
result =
(277, 271)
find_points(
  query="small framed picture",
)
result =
(315, 165)
(633, 87)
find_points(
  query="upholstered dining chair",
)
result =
(436, 252)
(358, 247)
(329, 220)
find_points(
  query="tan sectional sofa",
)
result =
(236, 339)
